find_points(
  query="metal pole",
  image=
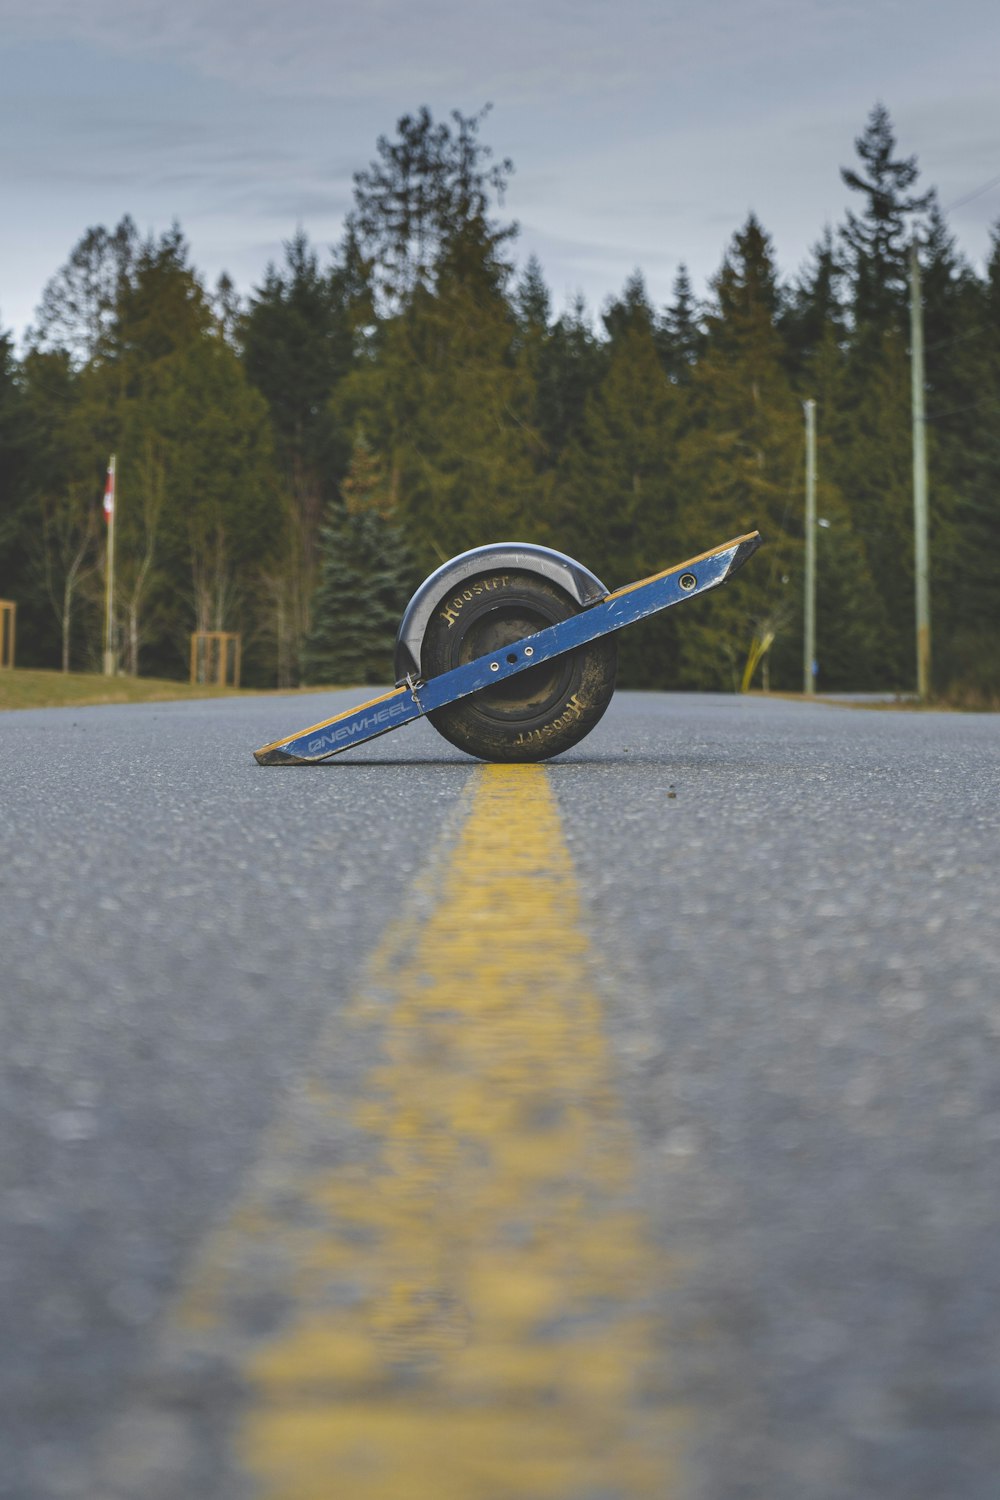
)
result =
(920, 508)
(809, 641)
(109, 601)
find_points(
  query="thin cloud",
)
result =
(641, 132)
(394, 46)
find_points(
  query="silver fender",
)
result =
(583, 585)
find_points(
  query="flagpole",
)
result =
(109, 603)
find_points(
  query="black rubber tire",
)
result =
(538, 713)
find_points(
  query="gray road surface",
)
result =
(794, 915)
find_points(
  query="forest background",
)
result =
(293, 462)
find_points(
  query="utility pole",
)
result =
(109, 599)
(920, 518)
(809, 642)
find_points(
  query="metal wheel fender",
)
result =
(583, 585)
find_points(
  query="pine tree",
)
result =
(414, 203)
(963, 415)
(614, 484)
(441, 390)
(227, 305)
(680, 336)
(13, 517)
(850, 610)
(366, 575)
(957, 347)
(197, 514)
(162, 307)
(740, 463)
(298, 344)
(812, 318)
(571, 365)
(80, 303)
(62, 481)
(631, 445)
(875, 241)
(872, 465)
(616, 502)
(872, 457)
(300, 337)
(532, 303)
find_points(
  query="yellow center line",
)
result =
(444, 1292)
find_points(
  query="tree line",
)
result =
(292, 462)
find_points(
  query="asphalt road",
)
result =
(764, 991)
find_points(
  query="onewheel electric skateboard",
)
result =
(510, 650)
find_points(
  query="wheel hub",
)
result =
(530, 694)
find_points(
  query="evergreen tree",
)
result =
(635, 444)
(850, 610)
(79, 305)
(872, 457)
(740, 462)
(414, 202)
(957, 348)
(871, 463)
(539, 354)
(300, 337)
(63, 481)
(366, 576)
(452, 408)
(614, 483)
(197, 517)
(14, 519)
(963, 412)
(812, 318)
(441, 390)
(161, 308)
(297, 344)
(532, 303)
(531, 307)
(953, 296)
(570, 367)
(616, 502)
(875, 240)
(227, 306)
(680, 336)
(631, 311)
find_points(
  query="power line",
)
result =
(976, 193)
(957, 338)
(954, 411)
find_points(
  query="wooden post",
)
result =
(8, 620)
(208, 643)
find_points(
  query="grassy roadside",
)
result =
(27, 688)
(20, 688)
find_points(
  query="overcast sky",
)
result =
(643, 131)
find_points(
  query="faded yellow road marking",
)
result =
(460, 1304)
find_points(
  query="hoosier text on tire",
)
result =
(538, 713)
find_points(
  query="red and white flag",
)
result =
(109, 491)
